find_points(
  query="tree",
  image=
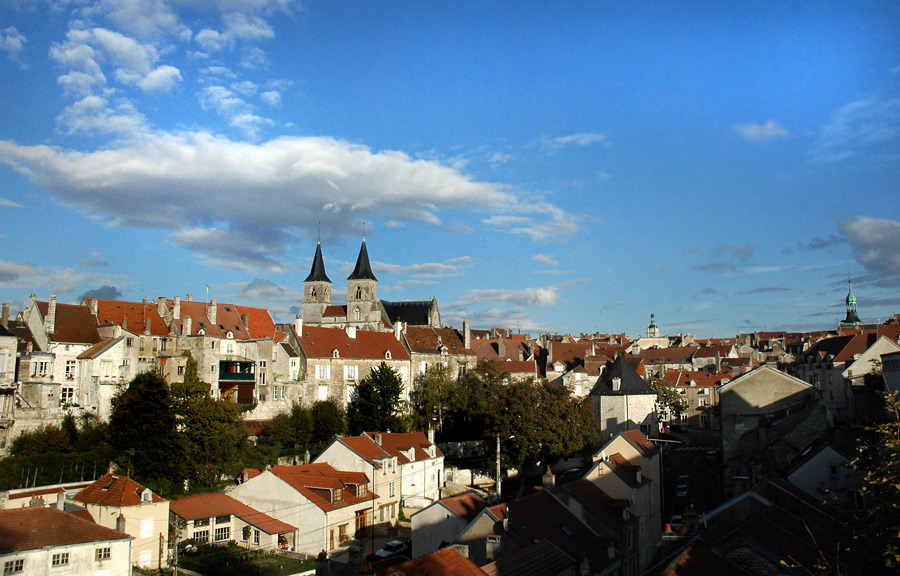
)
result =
(377, 405)
(667, 398)
(478, 390)
(143, 429)
(878, 525)
(544, 420)
(438, 394)
(329, 420)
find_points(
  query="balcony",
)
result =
(237, 370)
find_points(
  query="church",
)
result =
(364, 310)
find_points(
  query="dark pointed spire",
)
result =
(852, 316)
(363, 270)
(317, 273)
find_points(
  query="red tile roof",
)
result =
(33, 528)
(428, 340)
(443, 562)
(680, 355)
(641, 442)
(537, 560)
(520, 367)
(398, 443)
(259, 322)
(136, 313)
(114, 490)
(365, 447)
(220, 504)
(227, 319)
(466, 506)
(317, 481)
(319, 342)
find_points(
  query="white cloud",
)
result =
(13, 43)
(876, 245)
(545, 260)
(184, 181)
(8, 203)
(144, 18)
(426, 270)
(271, 97)
(546, 296)
(10, 271)
(95, 114)
(161, 79)
(260, 289)
(762, 132)
(548, 221)
(579, 139)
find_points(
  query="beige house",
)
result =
(621, 400)
(40, 540)
(329, 506)
(118, 502)
(628, 467)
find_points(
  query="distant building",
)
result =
(621, 401)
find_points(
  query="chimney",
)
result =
(4, 316)
(147, 326)
(120, 523)
(161, 306)
(378, 438)
(36, 502)
(298, 325)
(95, 306)
(32, 300)
(548, 480)
(501, 348)
(467, 335)
(125, 323)
(176, 308)
(51, 316)
(245, 320)
(145, 300)
(211, 309)
(398, 329)
(186, 326)
(637, 475)
(189, 298)
(351, 332)
(306, 456)
(61, 500)
(431, 434)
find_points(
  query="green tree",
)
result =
(329, 420)
(438, 395)
(478, 390)
(143, 428)
(377, 405)
(667, 398)
(877, 527)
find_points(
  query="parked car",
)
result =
(393, 548)
(681, 491)
(684, 479)
(712, 455)
(675, 523)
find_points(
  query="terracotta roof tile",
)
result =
(537, 560)
(33, 528)
(443, 562)
(427, 340)
(466, 506)
(73, 323)
(114, 490)
(136, 313)
(398, 443)
(317, 481)
(259, 322)
(212, 504)
(319, 342)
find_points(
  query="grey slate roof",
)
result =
(363, 270)
(632, 383)
(317, 273)
(412, 312)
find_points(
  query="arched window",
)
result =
(359, 292)
(312, 292)
(356, 314)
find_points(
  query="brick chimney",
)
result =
(186, 326)
(120, 523)
(245, 320)
(50, 322)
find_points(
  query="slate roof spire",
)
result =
(852, 316)
(317, 273)
(363, 270)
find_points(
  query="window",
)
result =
(338, 495)
(212, 345)
(361, 521)
(70, 369)
(462, 370)
(102, 554)
(61, 559)
(323, 372)
(645, 429)
(181, 370)
(13, 566)
(201, 536)
(359, 293)
(41, 368)
(129, 342)
(351, 372)
(162, 345)
(702, 402)
(256, 537)
(212, 368)
(702, 391)
(201, 522)
(393, 489)
(342, 532)
(223, 519)
(323, 392)
(229, 347)
(223, 533)
(67, 395)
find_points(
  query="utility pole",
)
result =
(498, 468)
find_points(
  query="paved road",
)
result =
(690, 458)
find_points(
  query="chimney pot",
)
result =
(298, 325)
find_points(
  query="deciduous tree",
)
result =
(378, 403)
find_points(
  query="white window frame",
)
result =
(60, 559)
(222, 534)
(70, 369)
(323, 371)
(351, 372)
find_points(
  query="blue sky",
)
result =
(563, 167)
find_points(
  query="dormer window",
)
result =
(229, 335)
(361, 491)
(146, 496)
(337, 495)
(616, 384)
(387, 354)
(335, 353)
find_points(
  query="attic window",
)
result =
(338, 495)
(387, 354)
(335, 353)
(616, 384)
(229, 335)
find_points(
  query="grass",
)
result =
(232, 560)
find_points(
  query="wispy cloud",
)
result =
(545, 260)
(862, 127)
(579, 139)
(260, 289)
(762, 132)
(8, 203)
(93, 259)
(106, 292)
(425, 272)
(545, 296)
(764, 290)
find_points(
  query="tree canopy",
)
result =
(378, 403)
